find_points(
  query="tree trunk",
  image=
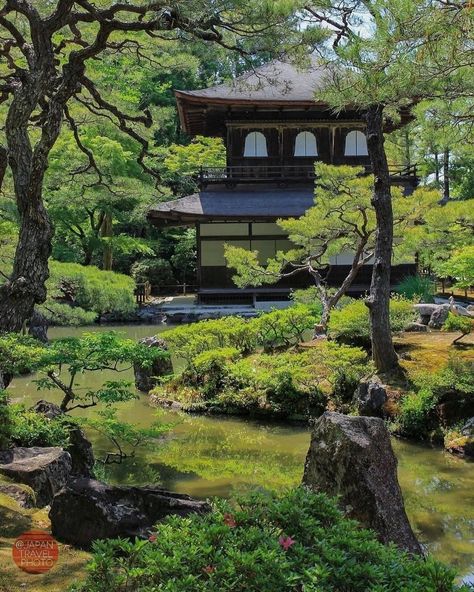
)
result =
(106, 232)
(26, 286)
(446, 181)
(383, 352)
(436, 159)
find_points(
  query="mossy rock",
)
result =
(19, 492)
(462, 446)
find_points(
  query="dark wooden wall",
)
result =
(281, 145)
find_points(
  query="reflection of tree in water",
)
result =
(438, 492)
(236, 453)
(216, 450)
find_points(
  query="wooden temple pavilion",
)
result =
(274, 129)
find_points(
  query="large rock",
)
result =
(468, 427)
(416, 328)
(86, 510)
(21, 493)
(45, 470)
(425, 311)
(80, 449)
(147, 378)
(439, 316)
(5, 379)
(38, 326)
(351, 457)
(432, 315)
(370, 397)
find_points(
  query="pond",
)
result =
(216, 456)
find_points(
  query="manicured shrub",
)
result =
(270, 330)
(293, 383)
(210, 369)
(19, 354)
(155, 270)
(91, 288)
(351, 324)
(416, 414)
(458, 323)
(65, 315)
(283, 328)
(452, 386)
(417, 287)
(28, 428)
(264, 543)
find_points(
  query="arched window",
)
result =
(356, 144)
(305, 144)
(255, 145)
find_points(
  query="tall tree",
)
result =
(386, 55)
(342, 220)
(48, 51)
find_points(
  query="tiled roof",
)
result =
(241, 205)
(277, 81)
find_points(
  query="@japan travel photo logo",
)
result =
(35, 551)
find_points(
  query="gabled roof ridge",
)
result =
(278, 80)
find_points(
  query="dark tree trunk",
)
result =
(446, 180)
(383, 352)
(107, 232)
(436, 159)
(26, 286)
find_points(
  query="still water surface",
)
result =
(215, 456)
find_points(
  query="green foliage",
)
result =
(351, 324)
(126, 438)
(286, 327)
(5, 421)
(458, 323)
(416, 287)
(445, 230)
(459, 266)
(90, 288)
(65, 315)
(188, 341)
(67, 358)
(19, 354)
(270, 330)
(417, 416)
(265, 542)
(292, 383)
(20, 426)
(156, 270)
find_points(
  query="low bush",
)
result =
(284, 328)
(270, 330)
(19, 354)
(264, 543)
(351, 324)
(416, 417)
(155, 270)
(452, 387)
(28, 428)
(90, 288)
(65, 315)
(458, 323)
(417, 287)
(293, 383)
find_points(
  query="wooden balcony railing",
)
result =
(283, 173)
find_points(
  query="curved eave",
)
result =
(161, 219)
(203, 103)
